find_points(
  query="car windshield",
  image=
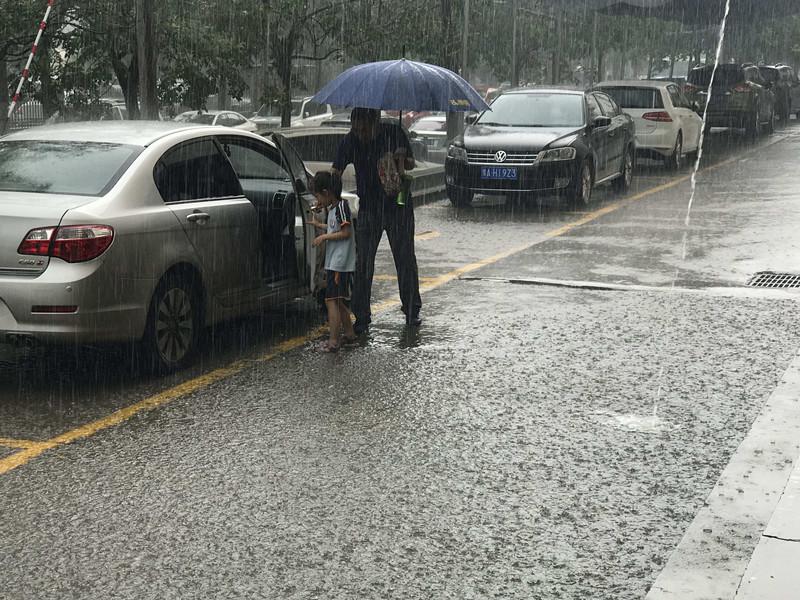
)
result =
(635, 97)
(297, 106)
(535, 110)
(202, 118)
(429, 125)
(82, 168)
(726, 76)
(269, 110)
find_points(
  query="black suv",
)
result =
(542, 141)
(740, 97)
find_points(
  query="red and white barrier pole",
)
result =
(26, 71)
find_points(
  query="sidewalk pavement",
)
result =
(744, 544)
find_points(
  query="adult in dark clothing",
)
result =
(364, 146)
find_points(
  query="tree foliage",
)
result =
(263, 49)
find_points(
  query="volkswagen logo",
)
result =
(500, 156)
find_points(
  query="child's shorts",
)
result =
(338, 285)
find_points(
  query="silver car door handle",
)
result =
(198, 217)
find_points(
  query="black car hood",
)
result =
(485, 137)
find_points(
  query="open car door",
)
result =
(307, 254)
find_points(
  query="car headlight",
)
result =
(567, 153)
(457, 153)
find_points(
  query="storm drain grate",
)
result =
(768, 279)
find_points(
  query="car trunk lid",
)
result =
(20, 212)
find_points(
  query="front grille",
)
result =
(483, 157)
(768, 279)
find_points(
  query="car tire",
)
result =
(753, 126)
(623, 182)
(459, 198)
(173, 327)
(580, 193)
(674, 161)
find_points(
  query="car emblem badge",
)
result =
(500, 156)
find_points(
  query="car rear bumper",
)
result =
(104, 311)
(539, 178)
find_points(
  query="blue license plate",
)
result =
(498, 172)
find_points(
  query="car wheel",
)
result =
(674, 161)
(459, 198)
(580, 194)
(172, 331)
(623, 182)
(753, 125)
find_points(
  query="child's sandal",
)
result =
(328, 347)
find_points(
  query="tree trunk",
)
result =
(3, 95)
(49, 93)
(128, 77)
(147, 61)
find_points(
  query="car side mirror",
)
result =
(601, 121)
(471, 118)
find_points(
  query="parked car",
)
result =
(147, 232)
(225, 118)
(739, 98)
(305, 113)
(789, 75)
(538, 141)
(782, 89)
(432, 131)
(667, 127)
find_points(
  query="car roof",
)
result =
(136, 133)
(546, 90)
(642, 83)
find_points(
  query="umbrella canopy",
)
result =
(401, 85)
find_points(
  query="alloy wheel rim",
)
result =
(586, 184)
(628, 169)
(174, 325)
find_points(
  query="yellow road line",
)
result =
(427, 235)
(21, 444)
(34, 449)
(394, 278)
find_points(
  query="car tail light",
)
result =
(661, 116)
(741, 88)
(72, 243)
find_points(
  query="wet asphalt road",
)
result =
(527, 442)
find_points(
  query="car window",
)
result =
(607, 105)
(676, 97)
(195, 170)
(82, 168)
(202, 118)
(234, 119)
(252, 160)
(594, 108)
(635, 97)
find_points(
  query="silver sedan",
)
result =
(147, 232)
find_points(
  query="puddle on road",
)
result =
(639, 423)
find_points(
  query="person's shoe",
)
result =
(413, 321)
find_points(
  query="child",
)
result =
(340, 256)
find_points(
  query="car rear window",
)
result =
(727, 76)
(81, 168)
(635, 97)
(432, 125)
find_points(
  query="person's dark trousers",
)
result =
(398, 223)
